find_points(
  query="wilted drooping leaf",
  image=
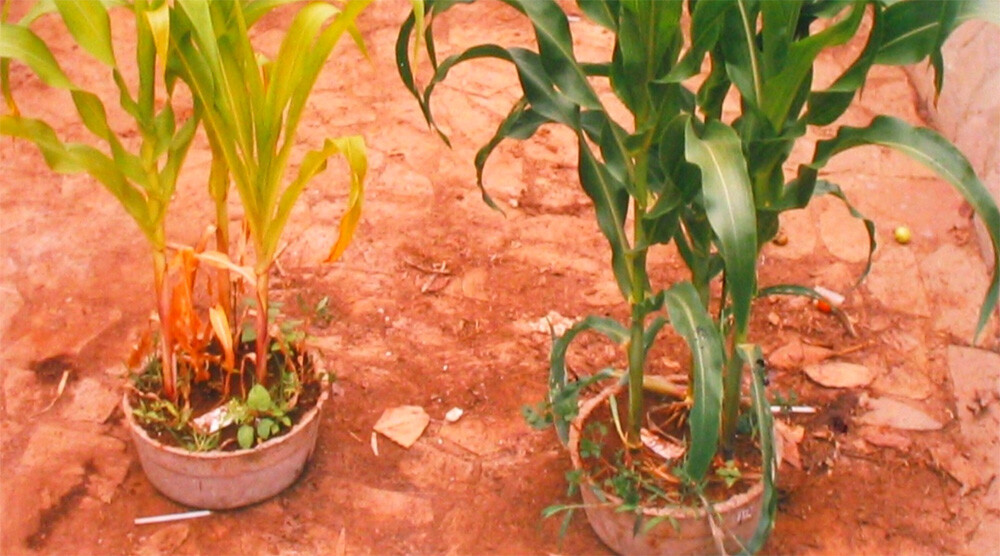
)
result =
(789, 437)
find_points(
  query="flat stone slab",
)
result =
(959, 279)
(895, 282)
(91, 401)
(886, 412)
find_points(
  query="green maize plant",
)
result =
(143, 179)
(251, 108)
(688, 175)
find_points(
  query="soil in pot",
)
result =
(636, 501)
(172, 426)
(225, 476)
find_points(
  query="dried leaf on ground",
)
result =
(795, 355)
(790, 436)
(403, 425)
(837, 374)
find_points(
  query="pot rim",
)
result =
(307, 418)
(573, 445)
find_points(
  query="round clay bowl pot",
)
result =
(223, 480)
(693, 536)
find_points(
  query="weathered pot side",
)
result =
(224, 480)
(693, 536)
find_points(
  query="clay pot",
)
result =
(224, 480)
(694, 533)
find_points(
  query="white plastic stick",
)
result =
(792, 409)
(171, 517)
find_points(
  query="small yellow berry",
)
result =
(902, 235)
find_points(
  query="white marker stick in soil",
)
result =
(171, 517)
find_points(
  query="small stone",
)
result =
(453, 415)
(837, 374)
(885, 412)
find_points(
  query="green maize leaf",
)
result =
(74, 158)
(651, 331)
(801, 291)
(540, 90)
(158, 20)
(145, 56)
(791, 289)
(707, 23)
(751, 356)
(88, 22)
(933, 151)
(612, 142)
(95, 118)
(729, 207)
(354, 150)
(304, 71)
(826, 106)
(780, 19)
(126, 101)
(20, 43)
(480, 51)
(403, 65)
(712, 93)
(314, 162)
(53, 150)
(692, 321)
(292, 69)
(38, 9)
(740, 48)
(610, 200)
(256, 9)
(601, 12)
(520, 123)
(648, 38)
(915, 29)
(538, 87)
(555, 47)
(609, 328)
(780, 89)
(824, 187)
(43, 7)
(177, 151)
